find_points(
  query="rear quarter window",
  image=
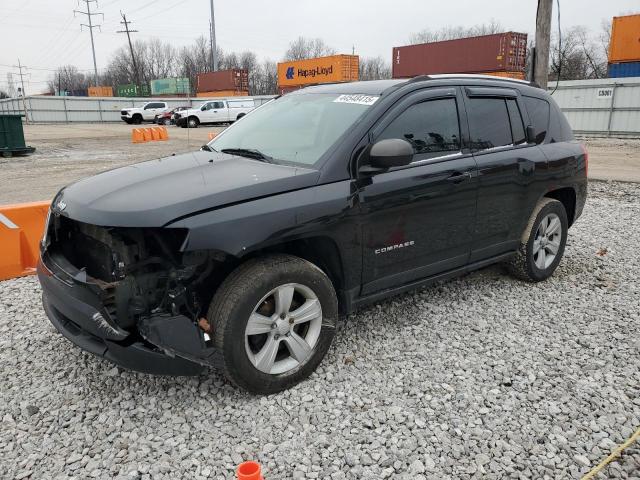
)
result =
(538, 110)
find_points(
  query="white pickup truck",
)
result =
(146, 113)
(215, 111)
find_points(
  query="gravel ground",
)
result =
(480, 377)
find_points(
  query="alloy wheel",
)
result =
(283, 329)
(547, 241)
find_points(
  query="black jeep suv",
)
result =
(243, 255)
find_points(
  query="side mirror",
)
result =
(531, 134)
(206, 148)
(393, 152)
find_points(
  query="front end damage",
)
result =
(117, 292)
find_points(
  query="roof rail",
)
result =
(421, 78)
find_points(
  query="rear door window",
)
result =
(517, 125)
(489, 123)
(538, 110)
(431, 127)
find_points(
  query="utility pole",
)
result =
(126, 30)
(91, 26)
(212, 39)
(543, 40)
(24, 102)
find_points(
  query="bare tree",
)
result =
(578, 56)
(453, 32)
(196, 59)
(155, 59)
(374, 68)
(265, 79)
(68, 78)
(303, 48)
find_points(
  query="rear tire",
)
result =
(542, 243)
(262, 296)
(166, 122)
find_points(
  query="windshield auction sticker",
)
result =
(358, 99)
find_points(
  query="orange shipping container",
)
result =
(223, 93)
(516, 75)
(336, 68)
(625, 39)
(100, 91)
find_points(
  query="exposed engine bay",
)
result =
(149, 286)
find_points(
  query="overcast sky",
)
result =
(44, 33)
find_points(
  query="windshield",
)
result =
(296, 128)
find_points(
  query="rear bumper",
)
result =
(75, 309)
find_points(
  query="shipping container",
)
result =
(234, 79)
(170, 86)
(624, 70)
(516, 75)
(101, 91)
(625, 39)
(335, 68)
(132, 90)
(487, 53)
(224, 93)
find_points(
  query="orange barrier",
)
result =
(249, 471)
(164, 134)
(137, 136)
(21, 229)
(142, 135)
(212, 135)
(146, 134)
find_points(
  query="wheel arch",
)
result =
(321, 251)
(568, 197)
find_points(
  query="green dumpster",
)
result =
(12, 136)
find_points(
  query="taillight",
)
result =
(586, 159)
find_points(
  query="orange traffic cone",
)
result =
(155, 134)
(212, 135)
(146, 133)
(164, 134)
(249, 471)
(137, 136)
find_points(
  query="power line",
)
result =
(91, 26)
(126, 30)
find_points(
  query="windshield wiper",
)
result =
(249, 153)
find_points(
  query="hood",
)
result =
(154, 193)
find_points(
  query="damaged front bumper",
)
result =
(161, 344)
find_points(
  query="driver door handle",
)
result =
(459, 177)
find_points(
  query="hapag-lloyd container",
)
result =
(625, 39)
(234, 79)
(487, 53)
(335, 68)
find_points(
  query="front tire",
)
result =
(137, 119)
(273, 319)
(542, 243)
(193, 122)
